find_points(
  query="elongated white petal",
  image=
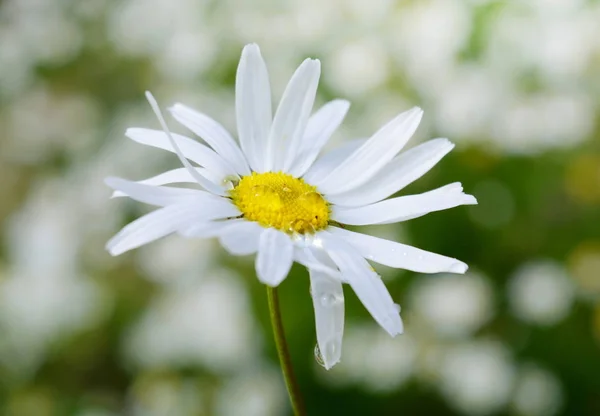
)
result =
(328, 301)
(179, 175)
(321, 126)
(214, 134)
(331, 160)
(157, 195)
(404, 207)
(398, 255)
(253, 106)
(241, 238)
(191, 149)
(209, 229)
(292, 115)
(367, 285)
(370, 158)
(202, 181)
(400, 172)
(151, 227)
(275, 257)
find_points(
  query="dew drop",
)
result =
(318, 356)
(312, 198)
(260, 190)
(230, 181)
(328, 299)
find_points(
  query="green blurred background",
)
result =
(181, 328)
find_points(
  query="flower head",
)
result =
(276, 195)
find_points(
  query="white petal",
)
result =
(241, 238)
(275, 257)
(321, 126)
(207, 229)
(404, 207)
(366, 161)
(307, 257)
(328, 301)
(367, 285)
(331, 160)
(191, 149)
(179, 175)
(292, 115)
(214, 134)
(151, 227)
(400, 172)
(202, 181)
(157, 195)
(208, 206)
(398, 255)
(253, 106)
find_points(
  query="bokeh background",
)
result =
(181, 328)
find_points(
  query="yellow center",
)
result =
(281, 201)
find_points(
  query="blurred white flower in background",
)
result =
(358, 68)
(426, 37)
(373, 360)
(537, 122)
(467, 101)
(178, 35)
(35, 32)
(44, 296)
(42, 123)
(175, 261)
(537, 393)
(541, 293)
(206, 321)
(164, 395)
(258, 391)
(477, 377)
(452, 305)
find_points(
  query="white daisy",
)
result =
(275, 195)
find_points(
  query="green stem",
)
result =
(283, 352)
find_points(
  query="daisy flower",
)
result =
(274, 194)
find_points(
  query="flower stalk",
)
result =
(283, 353)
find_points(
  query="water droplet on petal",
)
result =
(230, 181)
(328, 299)
(318, 356)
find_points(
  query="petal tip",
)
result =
(329, 365)
(459, 267)
(252, 48)
(111, 181)
(112, 248)
(470, 200)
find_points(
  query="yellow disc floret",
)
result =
(278, 200)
